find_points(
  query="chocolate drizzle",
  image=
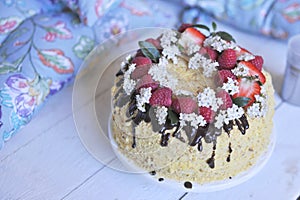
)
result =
(211, 160)
(229, 152)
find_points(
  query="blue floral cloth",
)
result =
(275, 18)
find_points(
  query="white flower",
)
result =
(217, 43)
(220, 118)
(192, 48)
(192, 118)
(160, 74)
(142, 98)
(129, 84)
(231, 86)
(208, 99)
(263, 90)
(234, 112)
(254, 110)
(245, 57)
(128, 58)
(259, 108)
(161, 113)
(208, 65)
(168, 37)
(171, 52)
(240, 70)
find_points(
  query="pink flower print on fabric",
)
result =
(59, 30)
(292, 13)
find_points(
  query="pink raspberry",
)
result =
(145, 82)
(227, 101)
(223, 75)
(140, 61)
(258, 62)
(184, 105)
(227, 59)
(207, 113)
(140, 71)
(161, 97)
(155, 43)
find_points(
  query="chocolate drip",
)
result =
(188, 185)
(120, 73)
(200, 146)
(133, 139)
(211, 160)
(201, 132)
(229, 152)
(244, 121)
(164, 139)
(153, 173)
(228, 127)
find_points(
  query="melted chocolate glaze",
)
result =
(188, 185)
(229, 152)
(211, 160)
(120, 73)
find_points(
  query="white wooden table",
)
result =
(46, 159)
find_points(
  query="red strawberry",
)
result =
(140, 71)
(253, 71)
(139, 60)
(227, 59)
(258, 62)
(223, 75)
(145, 82)
(247, 88)
(184, 105)
(182, 28)
(155, 42)
(194, 35)
(242, 51)
(207, 113)
(161, 97)
(227, 101)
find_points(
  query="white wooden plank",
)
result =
(56, 109)
(113, 184)
(49, 167)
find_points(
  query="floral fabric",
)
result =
(279, 19)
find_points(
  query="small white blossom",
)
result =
(240, 70)
(259, 108)
(171, 52)
(234, 112)
(263, 90)
(192, 48)
(231, 86)
(142, 98)
(220, 118)
(129, 84)
(254, 110)
(168, 37)
(161, 113)
(208, 65)
(128, 58)
(245, 57)
(192, 118)
(217, 43)
(208, 99)
(160, 74)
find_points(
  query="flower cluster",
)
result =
(208, 99)
(240, 70)
(208, 65)
(129, 84)
(245, 57)
(170, 48)
(161, 113)
(259, 108)
(217, 43)
(225, 116)
(231, 86)
(192, 118)
(143, 98)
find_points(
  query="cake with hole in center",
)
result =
(192, 106)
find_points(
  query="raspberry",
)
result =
(227, 101)
(161, 97)
(227, 59)
(258, 62)
(140, 71)
(207, 113)
(184, 105)
(223, 75)
(213, 54)
(139, 61)
(145, 82)
(155, 43)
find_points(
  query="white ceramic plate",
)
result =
(92, 109)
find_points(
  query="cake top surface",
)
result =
(192, 79)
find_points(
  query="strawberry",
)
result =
(155, 42)
(227, 101)
(183, 26)
(253, 71)
(207, 113)
(247, 88)
(242, 51)
(223, 75)
(161, 97)
(194, 35)
(184, 105)
(140, 71)
(145, 82)
(227, 59)
(258, 62)
(139, 60)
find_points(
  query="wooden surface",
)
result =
(47, 160)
